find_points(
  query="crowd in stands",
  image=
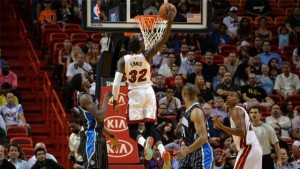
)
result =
(243, 51)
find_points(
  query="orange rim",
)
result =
(147, 21)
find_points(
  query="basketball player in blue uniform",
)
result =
(197, 154)
(93, 146)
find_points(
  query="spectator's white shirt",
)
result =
(288, 85)
(165, 70)
(231, 23)
(21, 164)
(173, 106)
(104, 42)
(11, 115)
(2, 123)
(71, 71)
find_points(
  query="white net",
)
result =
(152, 28)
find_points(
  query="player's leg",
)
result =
(150, 116)
(254, 159)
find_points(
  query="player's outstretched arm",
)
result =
(117, 83)
(237, 117)
(165, 36)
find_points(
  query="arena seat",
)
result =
(16, 131)
(22, 141)
(276, 98)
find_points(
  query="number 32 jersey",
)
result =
(137, 71)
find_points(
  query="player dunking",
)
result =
(142, 100)
(198, 154)
(250, 152)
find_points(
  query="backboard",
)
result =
(118, 15)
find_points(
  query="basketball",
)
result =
(163, 10)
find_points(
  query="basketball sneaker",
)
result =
(167, 160)
(148, 148)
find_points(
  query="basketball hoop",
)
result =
(152, 28)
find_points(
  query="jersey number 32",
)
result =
(137, 76)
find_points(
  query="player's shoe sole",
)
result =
(167, 160)
(148, 148)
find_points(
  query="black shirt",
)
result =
(258, 6)
(210, 71)
(232, 87)
(253, 51)
(254, 92)
(7, 165)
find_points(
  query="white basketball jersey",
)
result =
(250, 134)
(137, 71)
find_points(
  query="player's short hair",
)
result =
(134, 45)
(76, 82)
(190, 89)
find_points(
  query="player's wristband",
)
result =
(116, 85)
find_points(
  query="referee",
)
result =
(267, 137)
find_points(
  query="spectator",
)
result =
(210, 69)
(295, 125)
(156, 162)
(263, 32)
(227, 87)
(43, 162)
(88, 46)
(160, 58)
(162, 111)
(166, 132)
(187, 66)
(232, 21)
(47, 16)
(183, 52)
(159, 88)
(243, 55)
(74, 53)
(285, 160)
(78, 66)
(37, 146)
(266, 56)
(173, 103)
(13, 114)
(266, 137)
(64, 14)
(278, 120)
(274, 70)
(3, 138)
(264, 81)
(296, 57)
(226, 140)
(220, 8)
(173, 42)
(220, 77)
(5, 88)
(197, 71)
(283, 37)
(202, 90)
(178, 87)
(257, 48)
(293, 23)
(74, 141)
(219, 36)
(241, 75)
(218, 159)
(232, 64)
(6, 75)
(287, 109)
(287, 83)
(170, 81)
(256, 8)
(93, 58)
(105, 41)
(5, 164)
(256, 65)
(63, 56)
(77, 11)
(16, 157)
(244, 32)
(254, 95)
(219, 109)
(165, 69)
(193, 42)
(282, 143)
